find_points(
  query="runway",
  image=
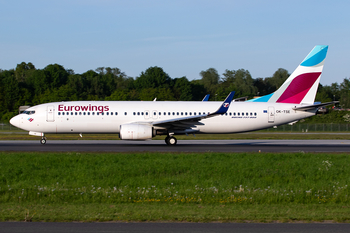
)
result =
(182, 146)
(38, 227)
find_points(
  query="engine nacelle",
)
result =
(136, 132)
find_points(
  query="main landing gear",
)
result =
(170, 140)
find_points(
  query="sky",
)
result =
(184, 37)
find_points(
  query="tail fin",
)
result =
(302, 84)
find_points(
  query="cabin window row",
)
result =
(155, 113)
(241, 114)
(169, 113)
(134, 113)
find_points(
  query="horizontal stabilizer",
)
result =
(314, 106)
(240, 99)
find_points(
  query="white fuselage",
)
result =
(108, 116)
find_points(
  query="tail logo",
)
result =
(307, 75)
(298, 88)
(301, 86)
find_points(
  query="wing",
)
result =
(185, 124)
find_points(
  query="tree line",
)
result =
(27, 85)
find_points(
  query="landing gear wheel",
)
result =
(43, 141)
(171, 141)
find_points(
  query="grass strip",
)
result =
(174, 212)
(174, 186)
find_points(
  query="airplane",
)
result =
(143, 120)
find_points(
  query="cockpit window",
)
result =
(28, 112)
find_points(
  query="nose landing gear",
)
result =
(43, 140)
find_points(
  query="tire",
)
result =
(167, 140)
(172, 141)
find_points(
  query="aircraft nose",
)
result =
(15, 121)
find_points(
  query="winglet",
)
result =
(225, 105)
(206, 98)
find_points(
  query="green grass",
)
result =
(173, 212)
(170, 186)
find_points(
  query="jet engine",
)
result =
(136, 132)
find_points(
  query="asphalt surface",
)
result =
(39, 227)
(182, 146)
